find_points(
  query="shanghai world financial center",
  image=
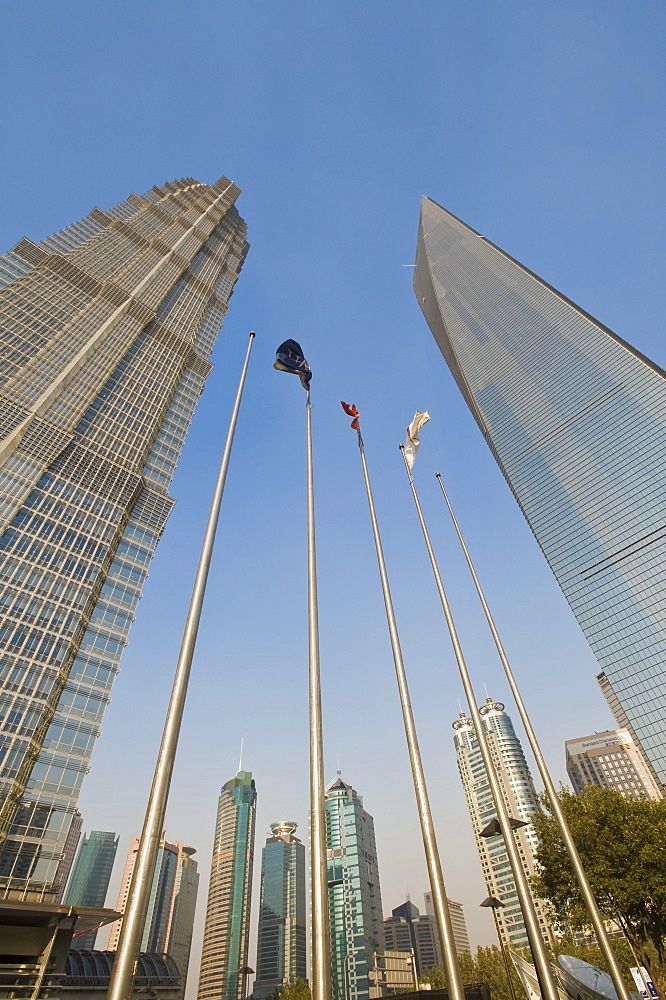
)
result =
(576, 419)
(106, 331)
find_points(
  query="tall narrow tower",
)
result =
(281, 944)
(522, 802)
(227, 928)
(107, 328)
(576, 419)
(91, 876)
(355, 900)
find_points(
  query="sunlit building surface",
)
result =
(281, 939)
(523, 804)
(227, 927)
(576, 419)
(611, 760)
(458, 922)
(106, 331)
(354, 894)
(91, 876)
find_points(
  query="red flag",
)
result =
(352, 412)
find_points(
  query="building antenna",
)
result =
(337, 757)
(240, 759)
(486, 690)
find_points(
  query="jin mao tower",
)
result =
(576, 419)
(107, 328)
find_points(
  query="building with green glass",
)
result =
(224, 955)
(281, 937)
(105, 333)
(91, 876)
(355, 900)
(576, 419)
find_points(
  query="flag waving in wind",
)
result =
(289, 358)
(412, 443)
(351, 411)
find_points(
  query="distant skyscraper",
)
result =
(523, 803)
(355, 902)
(612, 760)
(281, 944)
(460, 935)
(108, 326)
(576, 419)
(227, 928)
(407, 929)
(173, 896)
(91, 876)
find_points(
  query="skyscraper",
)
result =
(355, 901)
(612, 760)
(227, 927)
(281, 943)
(108, 326)
(458, 922)
(407, 929)
(576, 419)
(171, 907)
(522, 802)
(91, 876)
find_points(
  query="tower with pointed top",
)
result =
(576, 419)
(523, 804)
(355, 901)
(227, 928)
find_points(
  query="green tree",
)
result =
(486, 966)
(297, 989)
(622, 844)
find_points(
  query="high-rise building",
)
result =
(407, 929)
(227, 928)
(355, 901)
(90, 877)
(522, 802)
(171, 905)
(281, 939)
(610, 759)
(108, 326)
(458, 923)
(576, 419)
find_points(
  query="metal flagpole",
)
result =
(588, 895)
(537, 945)
(321, 945)
(438, 888)
(122, 975)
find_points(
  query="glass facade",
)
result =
(522, 802)
(576, 419)
(106, 332)
(281, 940)
(227, 927)
(91, 876)
(354, 894)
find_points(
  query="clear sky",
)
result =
(540, 124)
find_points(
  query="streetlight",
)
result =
(494, 904)
(245, 971)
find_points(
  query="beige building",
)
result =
(612, 760)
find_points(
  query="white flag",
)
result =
(412, 443)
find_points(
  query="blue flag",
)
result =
(289, 358)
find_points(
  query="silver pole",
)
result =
(585, 888)
(321, 944)
(537, 945)
(124, 966)
(435, 874)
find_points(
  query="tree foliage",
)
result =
(486, 966)
(298, 989)
(622, 845)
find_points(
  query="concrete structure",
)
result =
(576, 419)
(355, 901)
(173, 896)
(523, 803)
(91, 876)
(107, 328)
(456, 912)
(281, 939)
(610, 759)
(227, 928)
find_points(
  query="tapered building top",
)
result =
(107, 329)
(576, 418)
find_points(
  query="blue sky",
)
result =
(540, 124)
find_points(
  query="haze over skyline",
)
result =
(537, 125)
